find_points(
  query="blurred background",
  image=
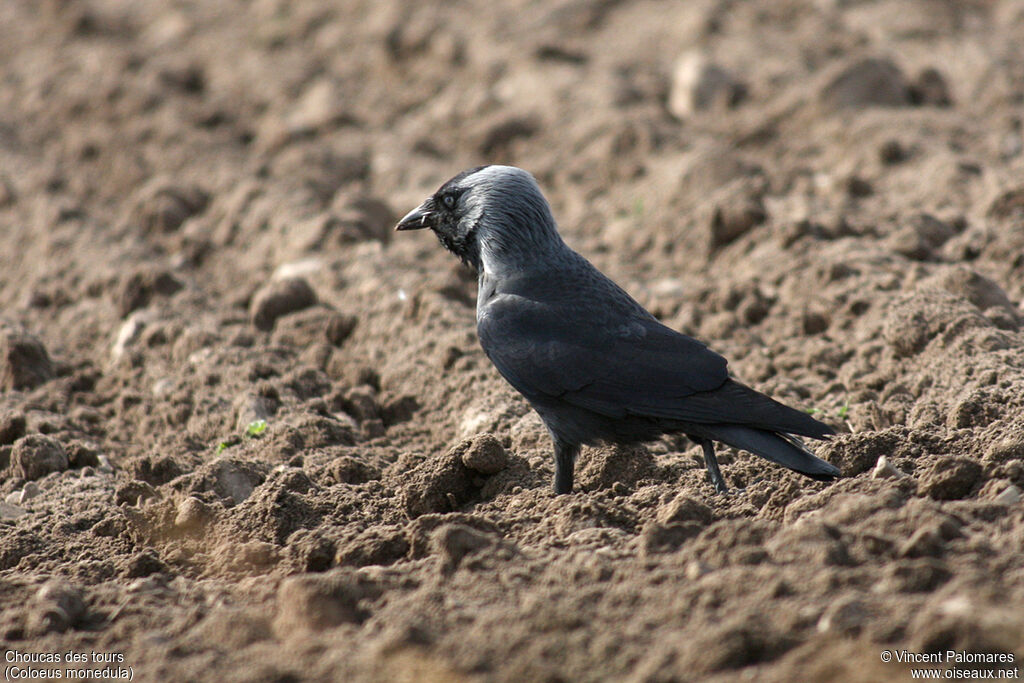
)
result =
(197, 201)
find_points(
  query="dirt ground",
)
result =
(247, 432)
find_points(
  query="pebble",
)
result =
(24, 361)
(698, 84)
(129, 332)
(280, 298)
(28, 492)
(1011, 495)
(734, 217)
(846, 617)
(12, 427)
(302, 268)
(886, 470)
(868, 82)
(34, 456)
(340, 327)
(56, 606)
(163, 207)
(930, 89)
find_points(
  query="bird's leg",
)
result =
(712, 464)
(565, 460)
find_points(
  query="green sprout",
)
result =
(256, 428)
(842, 413)
(252, 430)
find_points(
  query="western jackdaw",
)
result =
(593, 363)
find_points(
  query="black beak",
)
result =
(417, 219)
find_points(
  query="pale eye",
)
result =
(448, 201)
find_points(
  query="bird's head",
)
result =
(492, 217)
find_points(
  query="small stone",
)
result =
(28, 492)
(930, 89)
(886, 470)
(24, 362)
(892, 152)
(139, 288)
(34, 456)
(1011, 495)
(13, 498)
(868, 82)
(12, 427)
(482, 453)
(698, 84)
(734, 217)
(163, 207)
(193, 514)
(104, 465)
(925, 542)
(846, 617)
(130, 332)
(280, 298)
(56, 606)
(813, 322)
(858, 187)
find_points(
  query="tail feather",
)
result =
(783, 449)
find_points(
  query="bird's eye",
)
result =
(448, 201)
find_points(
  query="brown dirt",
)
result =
(196, 202)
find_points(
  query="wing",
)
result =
(612, 365)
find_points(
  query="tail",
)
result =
(783, 449)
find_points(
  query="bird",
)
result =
(589, 359)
